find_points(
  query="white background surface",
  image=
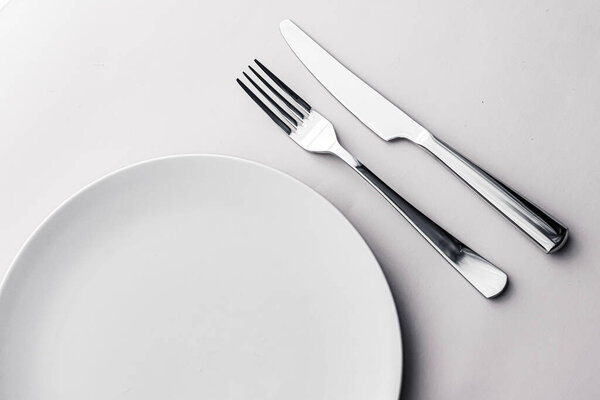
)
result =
(87, 87)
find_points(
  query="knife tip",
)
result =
(286, 23)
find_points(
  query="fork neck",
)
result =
(345, 155)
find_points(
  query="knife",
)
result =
(389, 122)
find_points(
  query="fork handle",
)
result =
(488, 279)
(546, 231)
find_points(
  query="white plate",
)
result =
(197, 277)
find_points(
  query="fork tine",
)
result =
(276, 93)
(266, 109)
(284, 87)
(273, 102)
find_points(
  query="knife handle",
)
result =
(546, 231)
(488, 279)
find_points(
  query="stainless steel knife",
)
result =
(389, 122)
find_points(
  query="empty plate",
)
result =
(197, 277)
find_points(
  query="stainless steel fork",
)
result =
(314, 133)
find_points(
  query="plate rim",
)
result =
(10, 271)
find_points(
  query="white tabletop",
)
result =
(87, 87)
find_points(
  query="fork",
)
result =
(314, 133)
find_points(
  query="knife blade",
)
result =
(374, 110)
